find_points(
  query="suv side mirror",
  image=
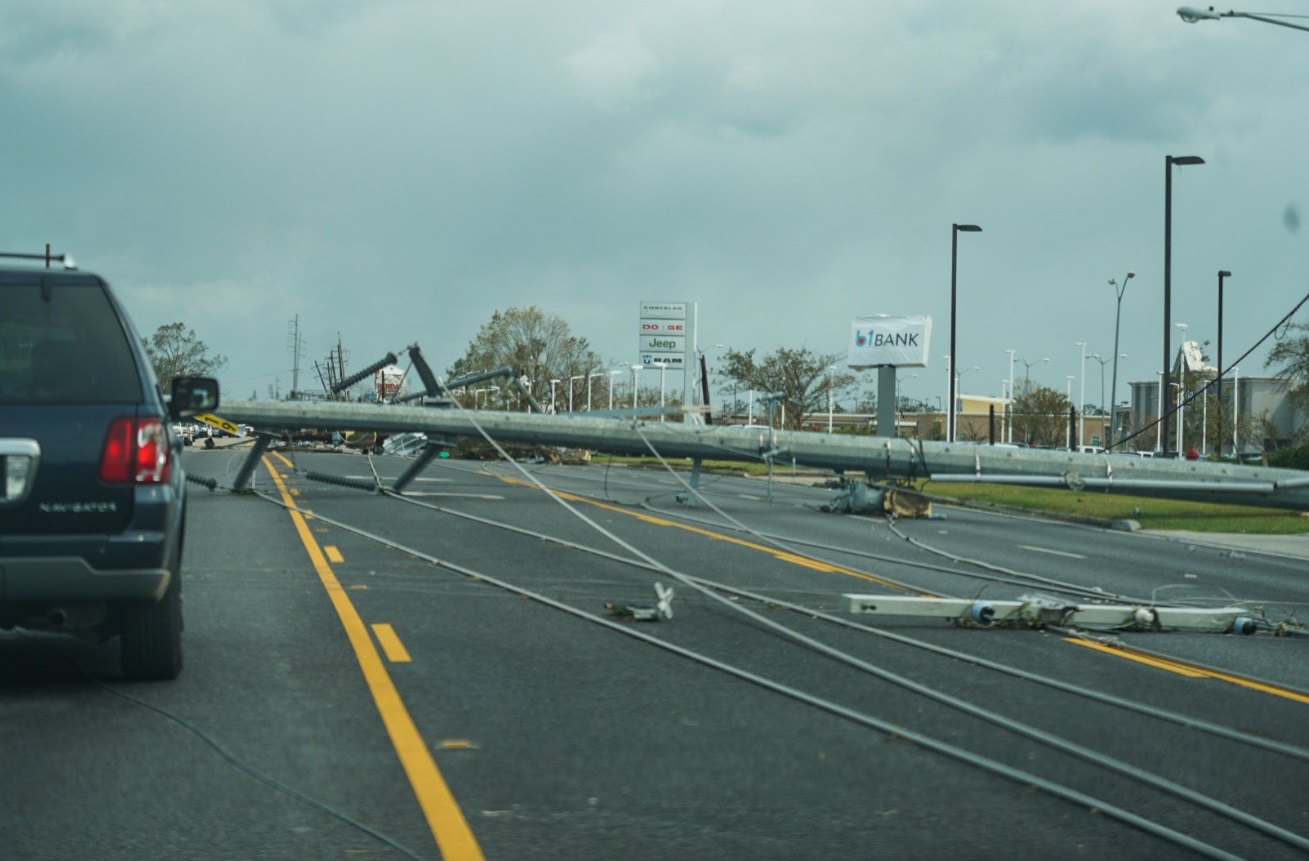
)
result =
(192, 396)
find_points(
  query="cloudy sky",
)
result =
(391, 172)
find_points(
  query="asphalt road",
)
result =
(462, 691)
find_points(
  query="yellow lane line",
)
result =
(781, 555)
(283, 459)
(333, 554)
(389, 640)
(444, 818)
(1190, 670)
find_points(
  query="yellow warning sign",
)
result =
(221, 423)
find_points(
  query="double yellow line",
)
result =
(1191, 671)
(446, 821)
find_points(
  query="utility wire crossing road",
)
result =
(450, 676)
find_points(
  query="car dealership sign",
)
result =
(665, 327)
(902, 342)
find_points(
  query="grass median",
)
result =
(1150, 512)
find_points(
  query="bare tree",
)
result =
(538, 346)
(1041, 416)
(175, 351)
(800, 379)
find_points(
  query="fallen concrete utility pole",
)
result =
(1036, 611)
(878, 458)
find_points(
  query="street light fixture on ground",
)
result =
(1113, 386)
(1169, 161)
(955, 230)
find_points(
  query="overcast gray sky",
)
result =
(393, 172)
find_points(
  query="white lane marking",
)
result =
(1052, 552)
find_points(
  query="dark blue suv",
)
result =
(92, 492)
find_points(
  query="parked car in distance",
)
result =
(92, 496)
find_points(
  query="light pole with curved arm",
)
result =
(1169, 161)
(1191, 14)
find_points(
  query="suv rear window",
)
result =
(61, 342)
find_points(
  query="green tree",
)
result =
(175, 351)
(538, 346)
(1290, 356)
(1041, 416)
(799, 379)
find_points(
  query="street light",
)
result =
(636, 369)
(1191, 15)
(955, 230)
(1081, 404)
(958, 376)
(663, 369)
(570, 390)
(1219, 379)
(612, 374)
(553, 383)
(1181, 393)
(1027, 370)
(589, 378)
(1009, 405)
(1169, 161)
(1102, 362)
(1113, 386)
(830, 368)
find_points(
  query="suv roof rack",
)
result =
(65, 259)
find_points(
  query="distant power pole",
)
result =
(297, 348)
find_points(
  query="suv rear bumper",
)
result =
(131, 566)
(69, 578)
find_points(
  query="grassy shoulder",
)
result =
(1150, 512)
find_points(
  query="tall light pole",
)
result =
(589, 378)
(1027, 369)
(1009, 406)
(553, 383)
(1081, 407)
(1181, 394)
(955, 230)
(830, 368)
(1169, 161)
(1159, 425)
(570, 390)
(958, 376)
(1113, 386)
(1236, 413)
(1069, 433)
(663, 370)
(1218, 381)
(612, 374)
(636, 369)
(1103, 430)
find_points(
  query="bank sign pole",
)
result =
(668, 340)
(888, 343)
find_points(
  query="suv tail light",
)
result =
(136, 451)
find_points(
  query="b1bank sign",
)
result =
(899, 341)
